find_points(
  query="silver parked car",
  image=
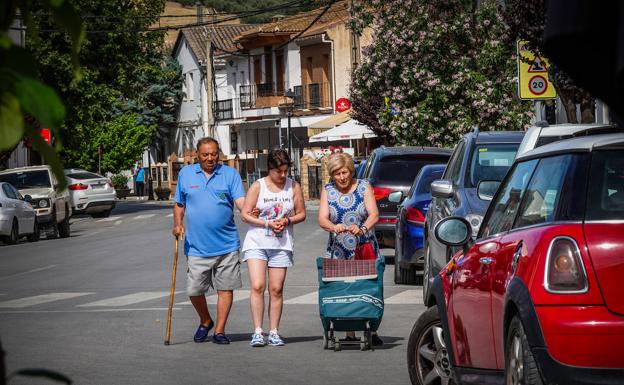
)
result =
(90, 193)
(17, 217)
(50, 203)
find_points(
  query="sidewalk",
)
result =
(310, 204)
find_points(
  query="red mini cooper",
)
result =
(538, 297)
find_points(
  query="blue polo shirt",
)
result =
(209, 209)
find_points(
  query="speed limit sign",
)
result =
(533, 81)
(538, 85)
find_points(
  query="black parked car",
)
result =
(478, 164)
(391, 169)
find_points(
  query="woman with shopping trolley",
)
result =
(348, 211)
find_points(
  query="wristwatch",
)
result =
(364, 229)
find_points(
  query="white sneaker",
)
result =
(257, 340)
(275, 340)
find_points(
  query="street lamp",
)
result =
(289, 105)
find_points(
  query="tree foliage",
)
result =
(26, 103)
(249, 6)
(435, 69)
(128, 80)
(526, 20)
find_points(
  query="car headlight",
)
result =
(475, 222)
(43, 203)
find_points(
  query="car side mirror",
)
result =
(487, 188)
(27, 198)
(453, 231)
(396, 197)
(442, 188)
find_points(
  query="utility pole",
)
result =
(209, 88)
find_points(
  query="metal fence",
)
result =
(313, 95)
(314, 181)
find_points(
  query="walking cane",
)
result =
(173, 280)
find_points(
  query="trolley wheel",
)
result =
(337, 346)
(369, 340)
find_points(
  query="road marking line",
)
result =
(407, 297)
(40, 299)
(109, 219)
(169, 216)
(239, 295)
(129, 299)
(28, 272)
(306, 299)
(144, 216)
(117, 223)
(88, 310)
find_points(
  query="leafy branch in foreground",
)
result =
(22, 94)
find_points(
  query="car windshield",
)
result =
(27, 179)
(490, 162)
(403, 169)
(84, 175)
(606, 186)
(424, 187)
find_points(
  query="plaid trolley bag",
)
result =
(350, 299)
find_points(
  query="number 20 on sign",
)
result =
(533, 82)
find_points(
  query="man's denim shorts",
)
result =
(274, 257)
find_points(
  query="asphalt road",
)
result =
(94, 307)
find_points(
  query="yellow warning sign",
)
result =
(533, 82)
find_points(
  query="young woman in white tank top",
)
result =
(272, 206)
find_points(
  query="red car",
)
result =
(538, 296)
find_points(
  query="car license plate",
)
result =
(97, 186)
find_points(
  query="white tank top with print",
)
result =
(272, 206)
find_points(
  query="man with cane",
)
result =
(206, 195)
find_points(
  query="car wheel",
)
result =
(13, 236)
(520, 366)
(63, 227)
(428, 361)
(103, 214)
(36, 234)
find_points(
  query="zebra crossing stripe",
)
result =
(39, 299)
(109, 219)
(405, 297)
(239, 295)
(306, 299)
(129, 299)
(144, 216)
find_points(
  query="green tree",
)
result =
(526, 20)
(248, 7)
(26, 103)
(127, 76)
(435, 69)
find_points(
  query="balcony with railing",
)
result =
(261, 95)
(224, 109)
(313, 95)
(307, 96)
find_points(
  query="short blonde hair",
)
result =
(339, 160)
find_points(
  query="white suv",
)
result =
(542, 133)
(52, 206)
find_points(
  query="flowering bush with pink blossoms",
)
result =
(435, 69)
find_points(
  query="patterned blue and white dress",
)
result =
(348, 209)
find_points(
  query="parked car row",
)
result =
(31, 202)
(527, 290)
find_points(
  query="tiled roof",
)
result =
(222, 36)
(337, 13)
